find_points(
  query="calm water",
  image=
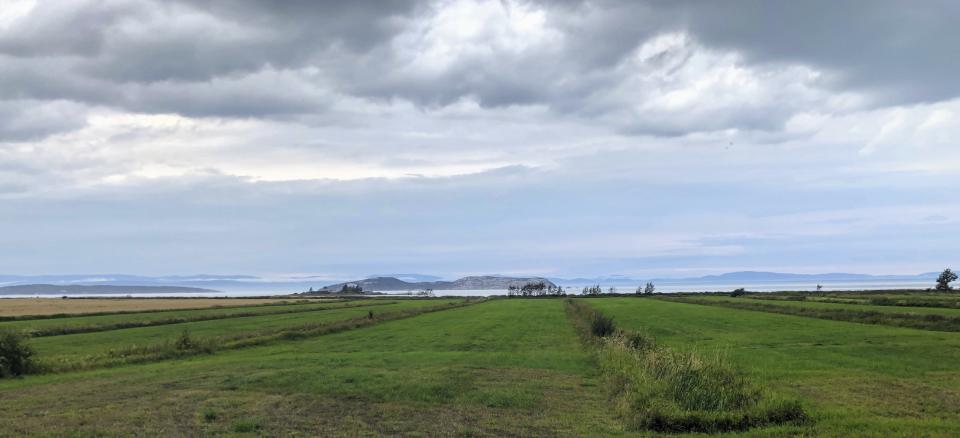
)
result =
(576, 288)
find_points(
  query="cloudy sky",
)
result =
(560, 138)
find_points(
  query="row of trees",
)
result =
(538, 289)
(349, 288)
(647, 289)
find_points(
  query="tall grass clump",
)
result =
(657, 388)
(16, 357)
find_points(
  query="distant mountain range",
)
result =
(487, 282)
(395, 282)
(228, 283)
(750, 276)
(54, 289)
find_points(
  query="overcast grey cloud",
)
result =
(453, 136)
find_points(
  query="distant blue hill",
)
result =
(757, 276)
(254, 284)
(51, 289)
(748, 277)
(246, 283)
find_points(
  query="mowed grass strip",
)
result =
(951, 301)
(856, 379)
(820, 304)
(499, 368)
(12, 309)
(918, 317)
(107, 348)
(894, 298)
(88, 324)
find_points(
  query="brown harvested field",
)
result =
(52, 306)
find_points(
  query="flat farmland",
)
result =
(54, 306)
(858, 379)
(500, 368)
(504, 367)
(70, 324)
(814, 304)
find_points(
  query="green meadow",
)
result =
(814, 304)
(119, 320)
(501, 367)
(857, 379)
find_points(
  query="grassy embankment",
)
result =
(500, 368)
(855, 379)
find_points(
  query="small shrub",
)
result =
(739, 292)
(185, 342)
(210, 415)
(245, 426)
(16, 357)
(639, 341)
(601, 325)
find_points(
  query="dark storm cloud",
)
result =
(900, 51)
(267, 59)
(76, 28)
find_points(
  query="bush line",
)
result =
(71, 330)
(660, 389)
(186, 345)
(922, 321)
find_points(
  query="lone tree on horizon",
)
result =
(943, 281)
(649, 288)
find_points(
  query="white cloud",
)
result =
(452, 136)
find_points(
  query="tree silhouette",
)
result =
(943, 281)
(648, 289)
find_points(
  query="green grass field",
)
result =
(87, 322)
(926, 318)
(494, 369)
(859, 379)
(498, 368)
(92, 347)
(912, 298)
(814, 304)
